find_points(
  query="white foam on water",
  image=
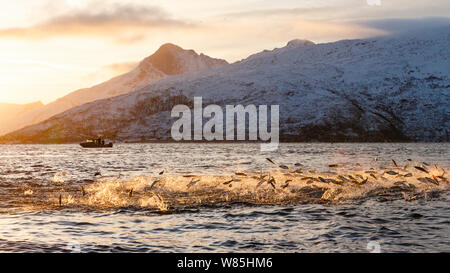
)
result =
(270, 188)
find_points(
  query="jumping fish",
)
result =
(154, 183)
(392, 173)
(343, 178)
(364, 181)
(228, 182)
(306, 178)
(192, 183)
(286, 184)
(427, 180)
(272, 182)
(335, 181)
(323, 180)
(421, 169)
(421, 179)
(433, 181)
(270, 160)
(400, 183)
(260, 183)
(395, 163)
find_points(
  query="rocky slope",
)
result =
(168, 60)
(379, 89)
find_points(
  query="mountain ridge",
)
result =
(182, 61)
(376, 89)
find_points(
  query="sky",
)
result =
(49, 48)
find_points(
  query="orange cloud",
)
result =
(124, 23)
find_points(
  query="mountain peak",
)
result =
(299, 43)
(173, 60)
(169, 47)
(168, 60)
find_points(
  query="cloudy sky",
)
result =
(49, 48)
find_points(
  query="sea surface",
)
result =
(371, 197)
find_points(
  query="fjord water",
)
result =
(33, 177)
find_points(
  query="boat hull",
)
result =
(95, 145)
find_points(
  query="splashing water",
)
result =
(254, 179)
(313, 197)
(274, 187)
(60, 177)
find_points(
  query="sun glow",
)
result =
(54, 47)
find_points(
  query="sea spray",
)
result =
(277, 186)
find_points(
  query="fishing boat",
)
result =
(96, 143)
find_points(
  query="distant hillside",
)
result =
(9, 110)
(168, 60)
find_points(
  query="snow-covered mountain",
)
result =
(379, 89)
(168, 60)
